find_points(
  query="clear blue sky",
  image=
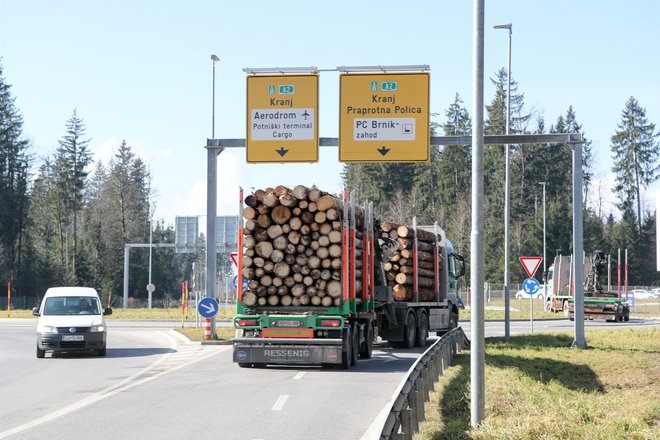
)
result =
(141, 72)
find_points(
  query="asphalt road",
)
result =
(154, 384)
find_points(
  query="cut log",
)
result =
(406, 232)
(334, 289)
(270, 199)
(327, 202)
(403, 278)
(264, 249)
(313, 194)
(274, 231)
(422, 272)
(409, 243)
(249, 213)
(249, 241)
(251, 201)
(326, 301)
(249, 298)
(264, 220)
(288, 200)
(424, 256)
(300, 192)
(281, 214)
(334, 251)
(282, 269)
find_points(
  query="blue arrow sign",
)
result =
(207, 307)
(531, 286)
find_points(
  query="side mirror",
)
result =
(461, 265)
(107, 311)
(35, 311)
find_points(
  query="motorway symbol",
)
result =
(382, 150)
(531, 286)
(282, 151)
(208, 307)
(531, 264)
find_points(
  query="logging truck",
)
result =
(598, 303)
(325, 279)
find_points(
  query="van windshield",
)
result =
(72, 305)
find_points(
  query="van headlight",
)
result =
(97, 328)
(46, 329)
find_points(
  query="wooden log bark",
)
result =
(402, 278)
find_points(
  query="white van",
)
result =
(71, 319)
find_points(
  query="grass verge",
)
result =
(538, 387)
(197, 334)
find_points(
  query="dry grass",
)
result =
(137, 314)
(197, 334)
(539, 388)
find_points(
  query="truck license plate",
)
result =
(283, 323)
(73, 338)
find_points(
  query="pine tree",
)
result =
(14, 168)
(72, 160)
(636, 152)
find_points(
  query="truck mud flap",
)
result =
(287, 354)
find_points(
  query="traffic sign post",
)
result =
(531, 284)
(282, 118)
(384, 117)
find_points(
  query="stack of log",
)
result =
(292, 248)
(399, 268)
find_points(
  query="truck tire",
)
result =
(422, 330)
(564, 307)
(40, 353)
(410, 331)
(356, 346)
(368, 347)
(347, 355)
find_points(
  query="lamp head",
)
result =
(503, 26)
(214, 58)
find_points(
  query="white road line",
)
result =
(124, 385)
(300, 375)
(279, 403)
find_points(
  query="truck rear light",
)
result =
(330, 323)
(246, 322)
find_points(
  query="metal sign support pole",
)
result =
(578, 257)
(211, 213)
(477, 353)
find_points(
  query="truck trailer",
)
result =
(598, 303)
(325, 279)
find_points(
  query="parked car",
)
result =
(655, 293)
(540, 294)
(640, 294)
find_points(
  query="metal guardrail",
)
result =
(407, 409)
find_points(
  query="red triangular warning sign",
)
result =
(234, 257)
(531, 264)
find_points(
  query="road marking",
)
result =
(279, 403)
(126, 384)
(300, 375)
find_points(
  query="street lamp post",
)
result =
(507, 323)
(214, 58)
(544, 262)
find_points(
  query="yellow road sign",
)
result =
(384, 117)
(282, 118)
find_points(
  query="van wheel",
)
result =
(40, 353)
